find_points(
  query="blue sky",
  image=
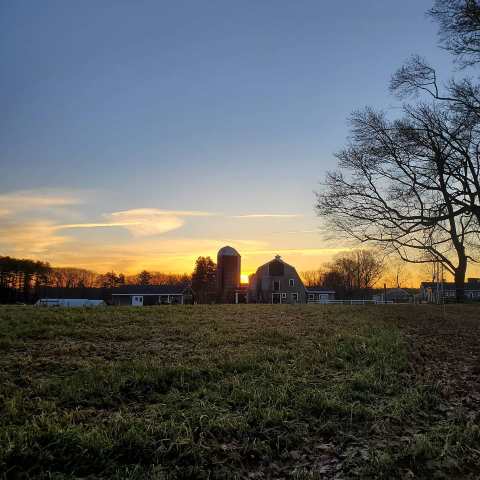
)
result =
(201, 122)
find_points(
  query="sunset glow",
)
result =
(240, 239)
(164, 147)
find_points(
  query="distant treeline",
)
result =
(70, 277)
(24, 280)
(350, 274)
(20, 278)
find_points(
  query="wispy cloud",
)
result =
(269, 215)
(27, 220)
(159, 212)
(15, 202)
(35, 237)
(142, 222)
(31, 221)
(43, 224)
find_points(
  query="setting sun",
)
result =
(244, 278)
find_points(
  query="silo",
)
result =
(228, 274)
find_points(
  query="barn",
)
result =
(276, 282)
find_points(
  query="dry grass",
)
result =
(203, 392)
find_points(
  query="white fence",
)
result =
(350, 302)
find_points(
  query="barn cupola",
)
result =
(276, 268)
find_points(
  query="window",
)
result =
(276, 268)
(291, 282)
(284, 295)
(163, 299)
(311, 296)
(276, 285)
(295, 297)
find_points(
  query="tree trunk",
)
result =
(460, 280)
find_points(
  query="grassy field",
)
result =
(197, 392)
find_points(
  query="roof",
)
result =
(393, 293)
(151, 289)
(75, 292)
(472, 284)
(228, 251)
(277, 258)
(397, 291)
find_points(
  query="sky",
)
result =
(143, 134)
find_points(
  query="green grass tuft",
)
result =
(210, 392)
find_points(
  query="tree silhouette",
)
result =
(399, 186)
(414, 183)
(20, 278)
(144, 278)
(459, 22)
(204, 279)
(111, 280)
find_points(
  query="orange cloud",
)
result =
(28, 230)
(36, 237)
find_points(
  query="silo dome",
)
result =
(230, 251)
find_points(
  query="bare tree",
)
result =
(398, 187)
(71, 277)
(370, 267)
(397, 273)
(459, 128)
(459, 22)
(312, 278)
(353, 273)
